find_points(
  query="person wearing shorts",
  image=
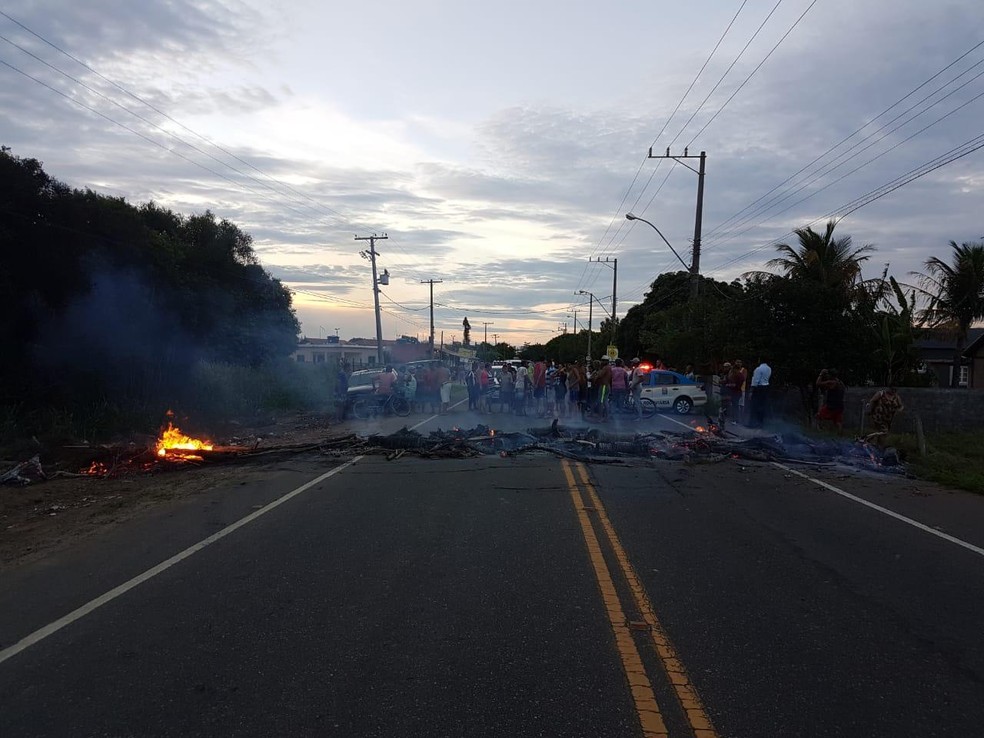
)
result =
(832, 409)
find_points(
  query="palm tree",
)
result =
(822, 258)
(956, 294)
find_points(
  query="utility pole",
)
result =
(695, 261)
(432, 282)
(613, 262)
(371, 256)
(591, 299)
(486, 339)
(495, 339)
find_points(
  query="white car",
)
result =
(673, 391)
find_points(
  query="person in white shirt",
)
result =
(760, 394)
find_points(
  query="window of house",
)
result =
(319, 358)
(964, 376)
(300, 358)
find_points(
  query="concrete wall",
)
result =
(941, 409)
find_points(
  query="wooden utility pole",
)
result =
(613, 262)
(371, 256)
(695, 260)
(432, 282)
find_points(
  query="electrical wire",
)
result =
(635, 178)
(831, 167)
(844, 140)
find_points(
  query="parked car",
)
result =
(673, 391)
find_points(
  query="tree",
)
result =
(956, 295)
(894, 334)
(467, 326)
(823, 259)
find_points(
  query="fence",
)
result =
(940, 409)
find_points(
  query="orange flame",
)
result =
(96, 469)
(700, 429)
(173, 439)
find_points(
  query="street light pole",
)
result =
(630, 216)
(613, 262)
(591, 299)
(695, 260)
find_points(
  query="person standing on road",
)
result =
(507, 384)
(573, 388)
(620, 384)
(742, 390)
(832, 408)
(603, 381)
(410, 388)
(636, 379)
(540, 387)
(484, 385)
(760, 394)
(444, 384)
(522, 387)
(471, 385)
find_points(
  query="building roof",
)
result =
(975, 345)
(940, 341)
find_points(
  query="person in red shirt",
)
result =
(484, 384)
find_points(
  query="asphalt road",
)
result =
(527, 596)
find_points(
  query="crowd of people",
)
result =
(546, 388)
(597, 389)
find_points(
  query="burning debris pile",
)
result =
(700, 445)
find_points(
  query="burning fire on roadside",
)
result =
(174, 443)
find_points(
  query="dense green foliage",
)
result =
(104, 304)
(815, 313)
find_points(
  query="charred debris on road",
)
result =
(588, 444)
(595, 445)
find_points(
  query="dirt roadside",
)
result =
(45, 516)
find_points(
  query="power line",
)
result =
(694, 114)
(752, 74)
(635, 178)
(297, 195)
(859, 167)
(831, 167)
(844, 140)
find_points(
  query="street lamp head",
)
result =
(630, 216)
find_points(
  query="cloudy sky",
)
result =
(501, 144)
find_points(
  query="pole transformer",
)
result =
(371, 255)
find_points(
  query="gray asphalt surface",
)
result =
(458, 598)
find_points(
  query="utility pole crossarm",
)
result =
(695, 261)
(371, 255)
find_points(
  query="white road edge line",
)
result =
(422, 422)
(42, 633)
(891, 513)
(860, 500)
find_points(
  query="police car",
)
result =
(673, 391)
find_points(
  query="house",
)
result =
(358, 353)
(974, 356)
(333, 351)
(936, 351)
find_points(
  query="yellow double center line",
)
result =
(650, 715)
